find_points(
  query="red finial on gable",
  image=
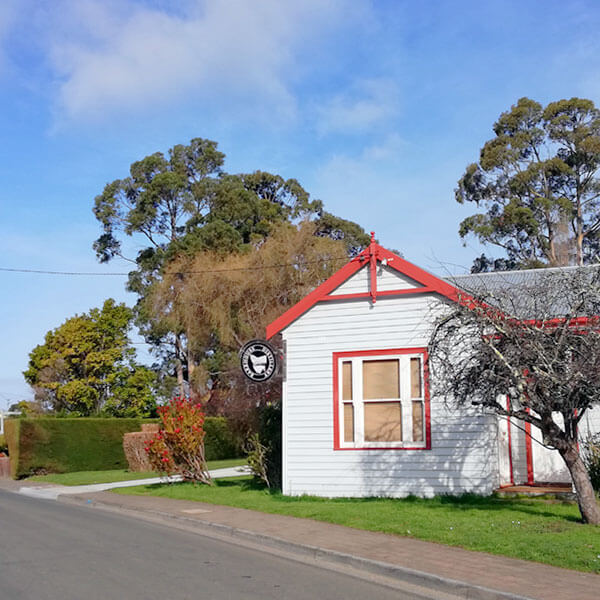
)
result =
(373, 267)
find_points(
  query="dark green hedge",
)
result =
(67, 445)
(219, 442)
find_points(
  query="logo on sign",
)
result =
(258, 360)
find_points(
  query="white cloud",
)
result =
(8, 11)
(114, 56)
(389, 147)
(370, 103)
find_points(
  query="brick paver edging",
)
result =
(431, 582)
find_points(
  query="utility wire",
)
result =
(41, 272)
(122, 274)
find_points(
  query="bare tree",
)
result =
(527, 346)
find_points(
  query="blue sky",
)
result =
(375, 107)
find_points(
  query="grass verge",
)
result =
(538, 529)
(90, 477)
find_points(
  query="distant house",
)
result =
(358, 418)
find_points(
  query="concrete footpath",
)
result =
(52, 492)
(438, 568)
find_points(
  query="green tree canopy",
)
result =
(86, 366)
(537, 185)
(184, 204)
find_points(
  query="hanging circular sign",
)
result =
(258, 360)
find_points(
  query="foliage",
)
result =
(270, 434)
(536, 346)
(28, 408)
(134, 445)
(532, 529)
(87, 367)
(256, 452)
(184, 205)
(3, 444)
(263, 448)
(178, 448)
(220, 442)
(223, 306)
(351, 234)
(232, 299)
(54, 445)
(591, 457)
(537, 183)
(485, 264)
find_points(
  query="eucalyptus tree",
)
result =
(537, 185)
(155, 203)
(184, 203)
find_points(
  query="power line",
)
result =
(41, 272)
(207, 271)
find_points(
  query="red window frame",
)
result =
(336, 393)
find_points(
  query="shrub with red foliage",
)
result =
(178, 448)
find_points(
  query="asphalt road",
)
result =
(51, 551)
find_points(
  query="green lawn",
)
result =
(89, 477)
(543, 530)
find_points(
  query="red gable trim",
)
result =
(317, 294)
(369, 255)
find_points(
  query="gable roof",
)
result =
(532, 293)
(374, 253)
(510, 291)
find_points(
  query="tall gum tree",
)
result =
(183, 204)
(154, 203)
(537, 185)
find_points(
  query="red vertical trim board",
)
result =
(510, 460)
(529, 453)
(427, 403)
(336, 414)
(373, 267)
(336, 404)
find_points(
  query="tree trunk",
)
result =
(179, 364)
(586, 498)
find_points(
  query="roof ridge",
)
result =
(521, 271)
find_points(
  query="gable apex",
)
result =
(411, 278)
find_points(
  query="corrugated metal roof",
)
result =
(534, 293)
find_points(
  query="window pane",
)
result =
(381, 379)
(417, 424)
(383, 422)
(415, 378)
(346, 381)
(348, 422)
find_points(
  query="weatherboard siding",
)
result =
(387, 279)
(463, 451)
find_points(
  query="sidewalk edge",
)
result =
(430, 581)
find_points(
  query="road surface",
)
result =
(52, 551)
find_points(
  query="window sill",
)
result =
(415, 446)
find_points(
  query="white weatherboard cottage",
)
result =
(358, 419)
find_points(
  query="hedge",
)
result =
(219, 442)
(87, 444)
